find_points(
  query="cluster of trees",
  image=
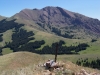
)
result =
(20, 37)
(20, 41)
(32, 46)
(6, 25)
(58, 32)
(80, 47)
(93, 40)
(63, 49)
(1, 37)
(86, 63)
(0, 50)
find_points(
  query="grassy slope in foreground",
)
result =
(25, 63)
(18, 60)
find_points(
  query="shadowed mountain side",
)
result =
(52, 15)
(59, 17)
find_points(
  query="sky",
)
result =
(90, 8)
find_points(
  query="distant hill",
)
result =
(61, 21)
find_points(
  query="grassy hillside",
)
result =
(50, 38)
(26, 63)
(7, 36)
(93, 49)
(74, 58)
(18, 60)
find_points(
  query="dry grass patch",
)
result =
(18, 60)
(68, 69)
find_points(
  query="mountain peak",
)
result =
(58, 10)
(58, 16)
(54, 15)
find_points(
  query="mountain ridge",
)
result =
(46, 12)
(50, 18)
(59, 21)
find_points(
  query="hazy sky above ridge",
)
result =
(90, 8)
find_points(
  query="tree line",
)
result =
(86, 63)
(21, 41)
(1, 39)
(63, 49)
(56, 31)
(6, 25)
(21, 38)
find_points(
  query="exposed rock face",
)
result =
(58, 16)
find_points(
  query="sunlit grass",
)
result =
(7, 36)
(26, 63)
(6, 51)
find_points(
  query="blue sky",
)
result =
(90, 8)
